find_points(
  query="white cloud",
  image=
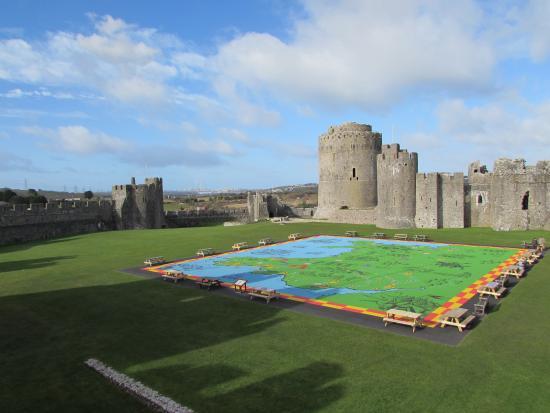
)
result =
(119, 60)
(364, 53)
(502, 128)
(78, 139)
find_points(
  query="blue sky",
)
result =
(235, 94)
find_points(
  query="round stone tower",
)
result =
(347, 168)
(396, 170)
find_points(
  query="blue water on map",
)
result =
(316, 247)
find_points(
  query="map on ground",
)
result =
(364, 273)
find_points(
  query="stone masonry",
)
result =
(364, 182)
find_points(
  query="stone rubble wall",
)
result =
(145, 394)
(23, 223)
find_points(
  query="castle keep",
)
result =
(363, 181)
(139, 206)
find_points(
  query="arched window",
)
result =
(480, 199)
(525, 201)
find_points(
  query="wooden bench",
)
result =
(351, 234)
(265, 241)
(403, 317)
(480, 307)
(493, 288)
(267, 295)
(173, 275)
(239, 246)
(209, 283)
(379, 235)
(295, 236)
(203, 252)
(420, 237)
(401, 236)
(454, 318)
(154, 261)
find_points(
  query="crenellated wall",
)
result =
(22, 223)
(396, 170)
(139, 206)
(347, 168)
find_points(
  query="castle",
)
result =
(363, 181)
(139, 206)
(132, 207)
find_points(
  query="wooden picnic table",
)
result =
(408, 318)
(351, 234)
(154, 261)
(514, 271)
(401, 236)
(493, 288)
(379, 235)
(267, 295)
(265, 241)
(454, 318)
(420, 237)
(239, 245)
(203, 252)
(294, 236)
(209, 283)
(173, 275)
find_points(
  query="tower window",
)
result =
(353, 172)
(525, 201)
(480, 199)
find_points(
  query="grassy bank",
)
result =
(64, 300)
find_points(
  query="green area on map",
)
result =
(408, 277)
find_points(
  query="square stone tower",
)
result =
(139, 206)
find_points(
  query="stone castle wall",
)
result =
(23, 223)
(139, 206)
(347, 167)
(520, 195)
(396, 171)
(427, 200)
(353, 163)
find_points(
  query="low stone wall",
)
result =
(351, 216)
(303, 212)
(23, 223)
(181, 219)
(148, 396)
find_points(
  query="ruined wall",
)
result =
(302, 212)
(427, 203)
(139, 206)
(396, 170)
(477, 204)
(451, 200)
(354, 216)
(23, 223)
(257, 207)
(182, 219)
(347, 168)
(520, 195)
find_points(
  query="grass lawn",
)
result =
(63, 301)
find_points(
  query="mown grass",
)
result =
(65, 300)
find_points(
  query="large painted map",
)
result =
(364, 273)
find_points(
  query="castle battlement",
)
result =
(54, 208)
(351, 168)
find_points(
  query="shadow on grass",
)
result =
(301, 390)
(142, 323)
(32, 264)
